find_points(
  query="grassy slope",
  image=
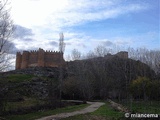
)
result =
(19, 78)
(39, 114)
(105, 112)
(144, 107)
(15, 79)
(28, 102)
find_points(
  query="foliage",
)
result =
(142, 106)
(140, 87)
(104, 77)
(53, 91)
(17, 89)
(70, 88)
(143, 87)
(16, 78)
(26, 103)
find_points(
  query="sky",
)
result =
(86, 24)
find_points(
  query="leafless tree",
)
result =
(61, 43)
(61, 49)
(90, 55)
(76, 55)
(100, 51)
(6, 31)
(150, 57)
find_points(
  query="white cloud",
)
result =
(78, 13)
(47, 18)
(62, 13)
(32, 13)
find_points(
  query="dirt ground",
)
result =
(93, 106)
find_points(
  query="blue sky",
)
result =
(86, 24)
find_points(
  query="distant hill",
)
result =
(104, 77)
(114, 67)
(98, 77)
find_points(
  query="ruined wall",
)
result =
(122, 54)
(38, 58)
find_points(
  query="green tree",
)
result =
(140, 88)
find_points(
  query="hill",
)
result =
(96, 78)
(104, 77)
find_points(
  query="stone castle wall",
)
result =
(38, 58)
(121, 54)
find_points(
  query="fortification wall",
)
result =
(122, 54)
(41, 53)
(38, 58)
(25, 59)
(18, 60)
(33, 59)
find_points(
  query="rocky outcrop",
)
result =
(52, 72)
(38, 86)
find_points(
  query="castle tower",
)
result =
(41, 54)
(25, 58)
(18, 60)
(39, 58)
(122, 54)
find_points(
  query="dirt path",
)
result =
(93, 106)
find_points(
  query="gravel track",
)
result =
(93, 106)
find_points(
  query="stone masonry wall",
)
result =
(38, 58)
(121, 54)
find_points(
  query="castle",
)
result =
(39, 58)
(121, 54)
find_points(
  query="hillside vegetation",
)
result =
(32, 89)
(100, 78)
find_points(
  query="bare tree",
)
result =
(76, 55)
(61, 49)
(150, 57)
(61, 43)
(6, 31)
(90, 55)
(100, 51)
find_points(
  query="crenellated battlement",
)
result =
(39, 57)
(33, 51)
(18, 52)
(36, 51)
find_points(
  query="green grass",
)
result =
(145, 106)
(19, 77)
(80, 117)
(104, 112)
(39, 114)
(107, 111)
(28, 102)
